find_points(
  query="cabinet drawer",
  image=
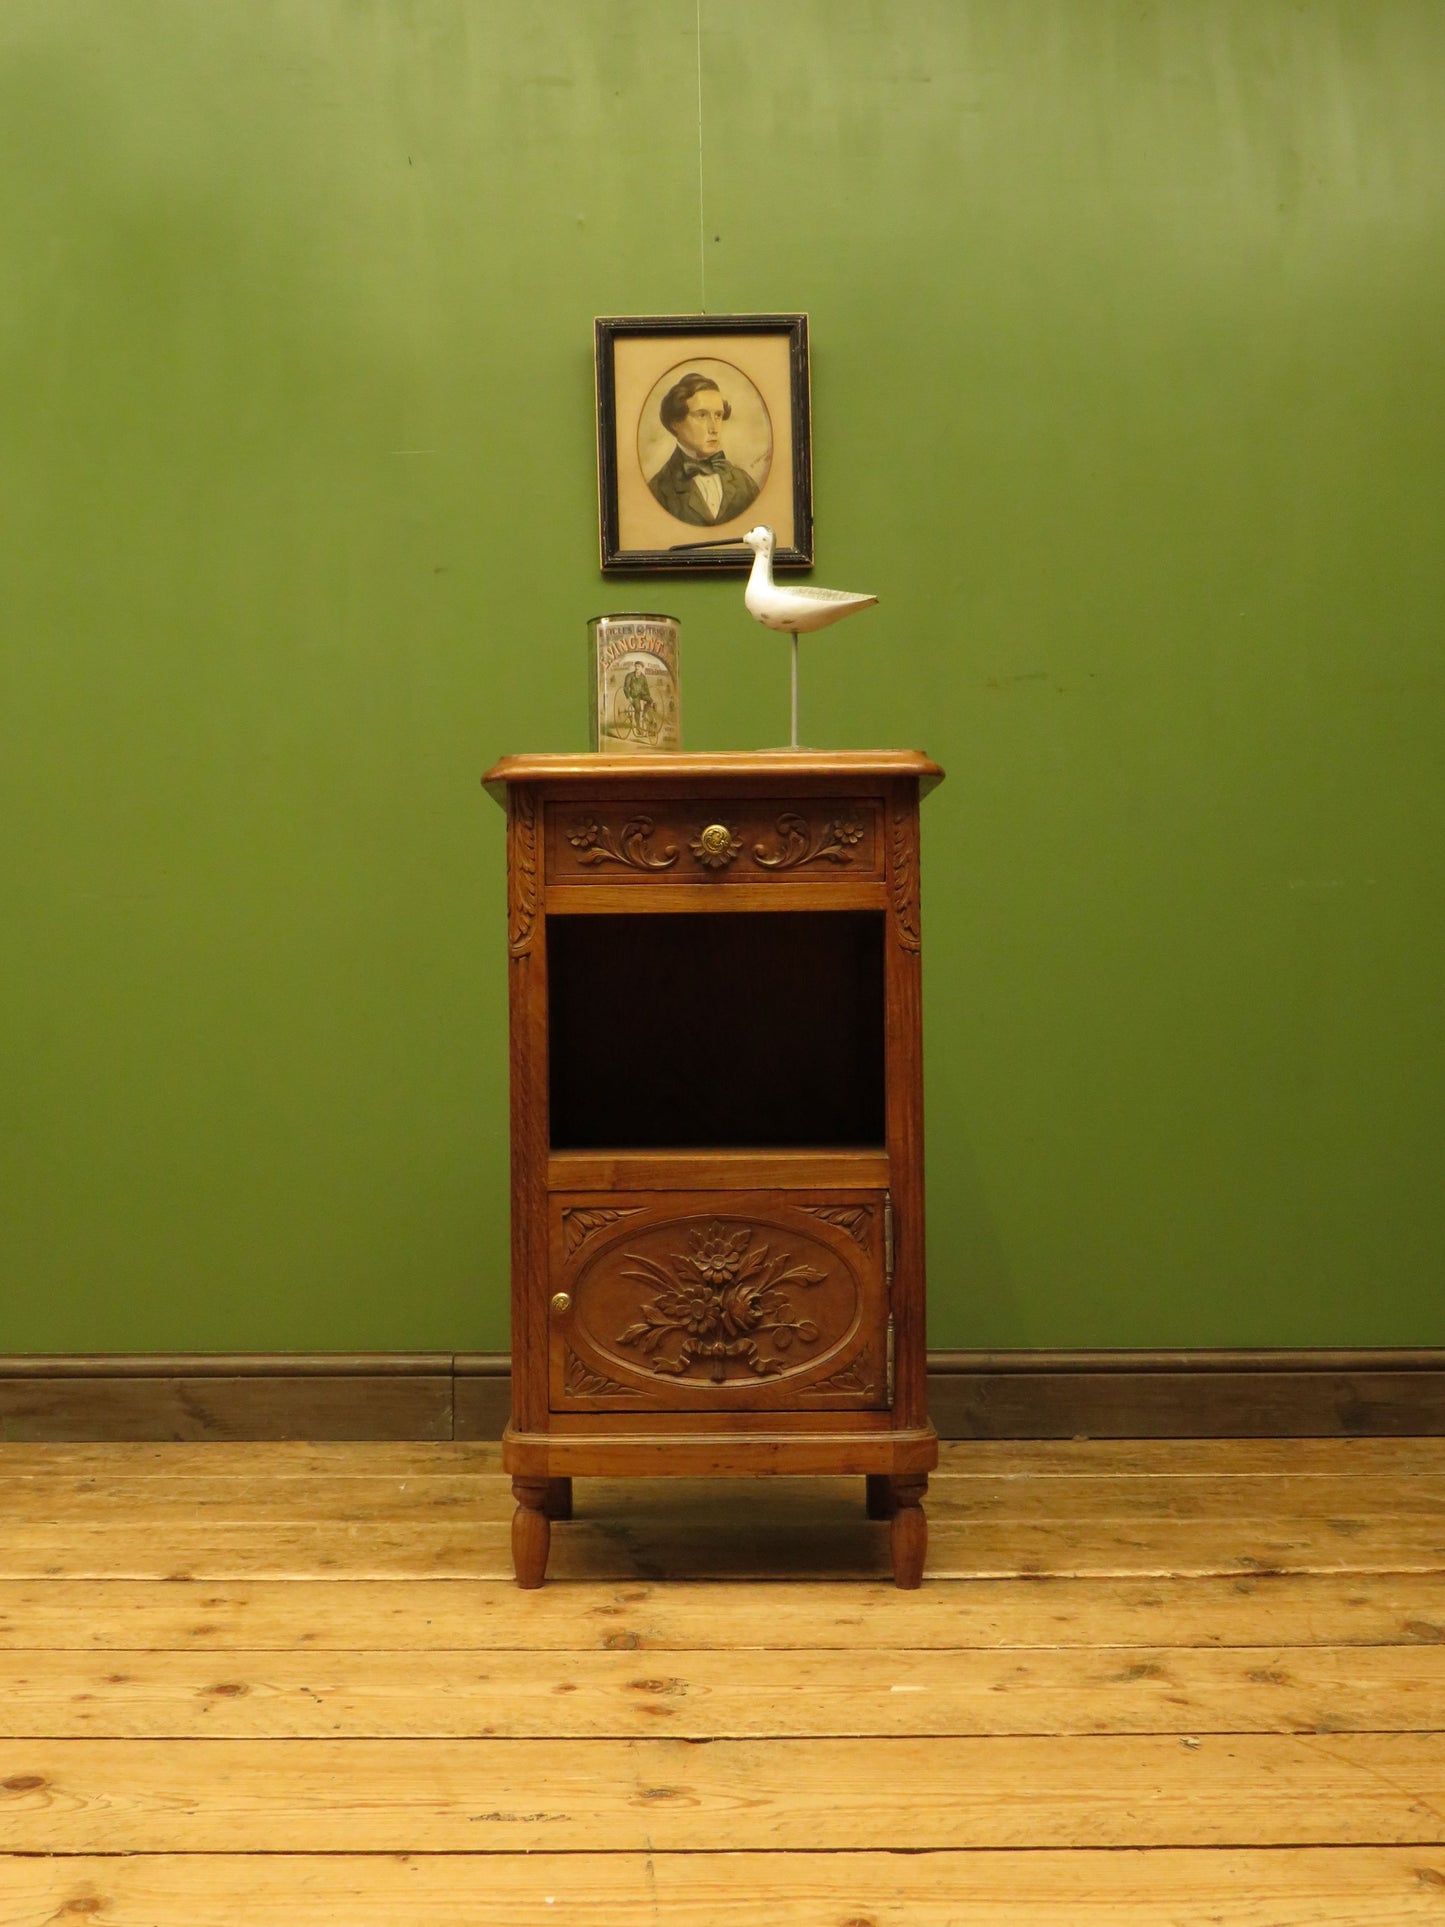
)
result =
(742, 840)
(718, 1301)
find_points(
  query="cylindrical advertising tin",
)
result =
(636, 707)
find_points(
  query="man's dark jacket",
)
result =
(676, 490)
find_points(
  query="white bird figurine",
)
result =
(797, 609)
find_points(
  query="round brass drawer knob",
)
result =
(561, 1301)
(716, 846)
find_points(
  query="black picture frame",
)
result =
(761, 364)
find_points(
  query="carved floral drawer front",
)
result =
(661, 840)
(745, 1301)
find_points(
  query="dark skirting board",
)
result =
(978, 1395)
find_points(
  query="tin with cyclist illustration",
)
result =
(636, 708)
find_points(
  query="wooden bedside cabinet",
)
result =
(717, 1126)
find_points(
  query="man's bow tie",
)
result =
(709, 465)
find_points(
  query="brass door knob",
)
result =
(561, 1301)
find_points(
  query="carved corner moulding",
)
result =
(856, 1220)
(522, 882)
(905, 882)
(579, 1223)
(582, 1382)
(854, 1377)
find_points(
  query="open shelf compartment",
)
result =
(716, 1032)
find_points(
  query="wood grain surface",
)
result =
(1182, 1681)
(740, 1693)
(1272, 1887)
(664, 1795)
(438, 1615)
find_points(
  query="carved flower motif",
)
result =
(848, 831)
(691, 1308)
(717, 1255)
(719, 1298)
(584, 837)
(715, 847)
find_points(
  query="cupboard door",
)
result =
(727, 1301)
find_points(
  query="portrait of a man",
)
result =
(698, 483)
(702, 430)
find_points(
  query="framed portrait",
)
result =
(702, 432)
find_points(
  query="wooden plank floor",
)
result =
(288, 1685)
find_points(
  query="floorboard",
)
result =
(1277, 1887)
(735, 1694)
(811, 1613)
(1146, 1681)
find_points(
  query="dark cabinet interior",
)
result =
(686, 1031)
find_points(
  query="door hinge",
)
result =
(889, 1393)
(888, 1236)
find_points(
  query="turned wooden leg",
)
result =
(558, 1503)
(880, 1495)
(908, 1533)
(531, 1534)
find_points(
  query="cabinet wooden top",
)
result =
(844, 767)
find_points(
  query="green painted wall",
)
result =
(1129, 401)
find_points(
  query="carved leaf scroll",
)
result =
(595, 843)
(905, 881)
(522, 874)
(799, 842)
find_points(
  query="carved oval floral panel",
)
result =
(718, 1307)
